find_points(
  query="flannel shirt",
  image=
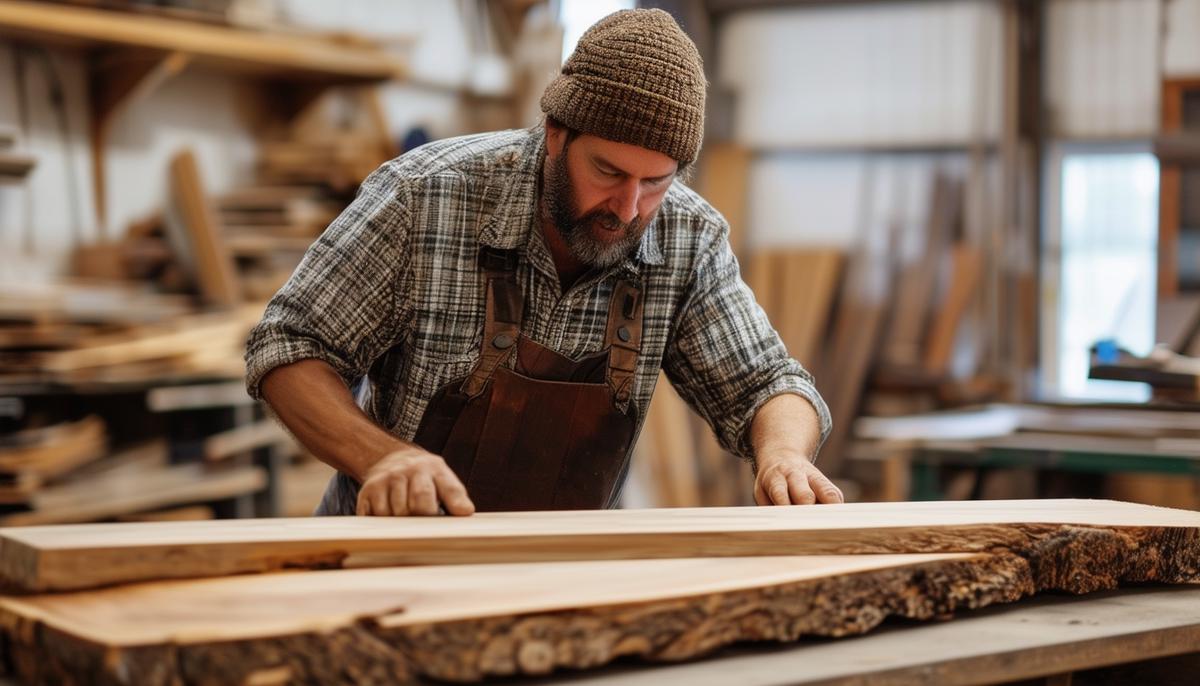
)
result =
(392, 291)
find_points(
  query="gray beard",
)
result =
(560, 203)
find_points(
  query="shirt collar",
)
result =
(513, 217)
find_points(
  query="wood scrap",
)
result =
(806, 288)
(917, 283)
(208, 257)
(964, 282)
(137, 492)
(1119, 540)
(723, 181)
(30, 459)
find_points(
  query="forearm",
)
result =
(785, 435)
(314, 404)
(785, 426)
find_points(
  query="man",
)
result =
(511, 298)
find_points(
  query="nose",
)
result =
(625, 202)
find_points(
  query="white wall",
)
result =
(918, 73)
(200, 109)
(1181, 53)
(1102, 67)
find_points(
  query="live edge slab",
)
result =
(740, 574)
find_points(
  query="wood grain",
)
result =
(1134, 542)
(469, 622)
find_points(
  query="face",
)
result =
(601, 195)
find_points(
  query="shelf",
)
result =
(131, 55)
(270, 54)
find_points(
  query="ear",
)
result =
(556, 138)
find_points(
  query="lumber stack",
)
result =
(33, 458)
(462, 599)
(37, 347)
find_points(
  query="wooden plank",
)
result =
(967, 269)
(467, 623)
(804, 299)
(71, 557)
(284, 55)
(211, 259)
(724, 179)
(472, 622)
(241, 439)
(184, 338)
(37, 456)
(1039, 636)
(167, 487)
(915, 291)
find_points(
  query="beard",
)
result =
(579, 232)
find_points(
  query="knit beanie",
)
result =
(635, 77)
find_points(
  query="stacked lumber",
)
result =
(268, 227)
(32, 458)
(137, 481)
(463, 599)
(180, 346)
(338, 161)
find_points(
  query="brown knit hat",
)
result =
(635, 77)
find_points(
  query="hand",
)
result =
(412, 482)
(793, 480)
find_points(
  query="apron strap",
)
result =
(502, 325)
(624, 337)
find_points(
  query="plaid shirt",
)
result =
(392, 291)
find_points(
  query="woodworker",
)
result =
(511, 297)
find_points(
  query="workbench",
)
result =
(1049, 636)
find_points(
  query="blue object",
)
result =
(1107, 351)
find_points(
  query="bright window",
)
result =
(1107, 244)
(577, 16)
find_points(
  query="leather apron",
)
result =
(551, 432)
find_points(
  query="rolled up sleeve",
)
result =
(343, 304)
(725, 358)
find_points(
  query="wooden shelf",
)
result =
(256, 52)
(131, 55)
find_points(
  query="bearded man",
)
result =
(504, 303)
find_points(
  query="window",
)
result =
(577, 16)
(1100, 271)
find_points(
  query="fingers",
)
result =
(825, 490)
(398, 496)
(422, 496)
(452, 494)
(373, 501)
(799, 490)
(760, 496)
(777, 489)
(801, 484)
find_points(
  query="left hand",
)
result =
(793, 480)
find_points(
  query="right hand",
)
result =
(411, 482)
